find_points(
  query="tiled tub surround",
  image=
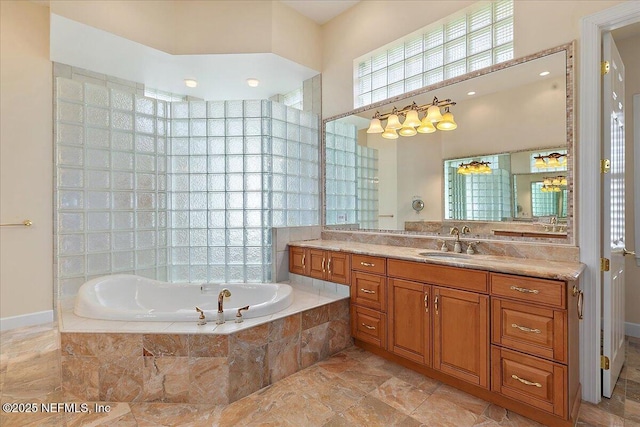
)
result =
(502, 248)
(185, 363)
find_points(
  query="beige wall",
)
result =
(204, 26)
(26, 167)
(629, 52)
(538, 25)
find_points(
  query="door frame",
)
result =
(588, 178)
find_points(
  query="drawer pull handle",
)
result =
(580, 304)
(329, 266)
(369, 326)
(435, 303)
(303, 259)
(426, 303)
(367, 291)
(367, 264)
(525, 290)
(515, 377)
(525, 329)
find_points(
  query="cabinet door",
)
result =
(317, 264)
(409, 320)
(461, 335)
(339, 267)
(298, 260)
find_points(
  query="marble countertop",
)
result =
(557, 270)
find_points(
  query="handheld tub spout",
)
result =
(223, 293)
(201, 320)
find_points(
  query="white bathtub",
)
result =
(128, 297)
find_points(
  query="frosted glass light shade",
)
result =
(393, 122)
(412, 119)
(389, 133)
(540, 163)
(433, 114)
(447, 122)
(426, 126)
(375, 126)
(407, 131)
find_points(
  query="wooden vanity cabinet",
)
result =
(410, 308)
(319, 264)
(369, 299)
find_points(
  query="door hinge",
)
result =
(604, 363)
(604, 67)
(605, 264)
(605, 165)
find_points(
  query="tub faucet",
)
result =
(223, 293)
(201, 319)
(239, 315)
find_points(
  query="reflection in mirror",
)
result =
(371, 181)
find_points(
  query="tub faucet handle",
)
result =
(201, 319)
(239, 315)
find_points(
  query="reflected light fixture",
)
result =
(553, 160)
(474, 167)
(553, 184)
(433, 119)
(253, 82)
(190, 82)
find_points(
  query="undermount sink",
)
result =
(444, 255)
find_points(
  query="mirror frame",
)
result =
(568, 48)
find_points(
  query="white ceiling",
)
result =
(321, 11)
(220, 77)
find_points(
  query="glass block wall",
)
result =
(367, 174)
(111, 183)
(341, 182)
(479, 196)
(181, 191)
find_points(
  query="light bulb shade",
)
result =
(563, 181)
(412, 119)
(426, 126)
(375, 126)
(407, 131)
(447, 122)
(393, 122)
(555, 181)
(540, 163)
(461, 170)
(557, 189)
(546, 181)
(553, 162)
(543, 189)
(389, 133)
(433, 114)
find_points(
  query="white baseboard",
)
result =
(30, 319)
(632, 329)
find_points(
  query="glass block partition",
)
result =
(111, 184)
(341, 182)
(367, 171)
(182, 191)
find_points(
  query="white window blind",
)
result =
(480, 38)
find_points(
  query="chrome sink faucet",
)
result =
(457, 247)
(223, 293)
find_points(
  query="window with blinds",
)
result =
(478, 39)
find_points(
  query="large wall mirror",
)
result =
(506, 169)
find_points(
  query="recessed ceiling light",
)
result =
(544, 73)
(190, 83)
(471, 93)
(253, 82)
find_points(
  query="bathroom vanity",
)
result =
(503, 329)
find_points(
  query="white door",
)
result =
(613, 215)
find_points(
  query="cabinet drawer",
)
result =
(536, 382)
(369, 290)
(369, 325)
(536, 330)
(540, 291)
(369, 264)
(471, 280)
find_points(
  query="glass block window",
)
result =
(341, 181)
(548, 203)
(164, 96)
(479, 196)
(480, 38)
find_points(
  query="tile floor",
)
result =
(351, 388)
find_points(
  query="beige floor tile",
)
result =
(591, 415)
(373, 412)
(175, 414)
(400, 395)
(462, 399)
(439, 411)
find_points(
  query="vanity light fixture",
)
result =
(253, 82)
(474, 167)
(190, 83)
(433, 119)
(553, 184)
(553, 160)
